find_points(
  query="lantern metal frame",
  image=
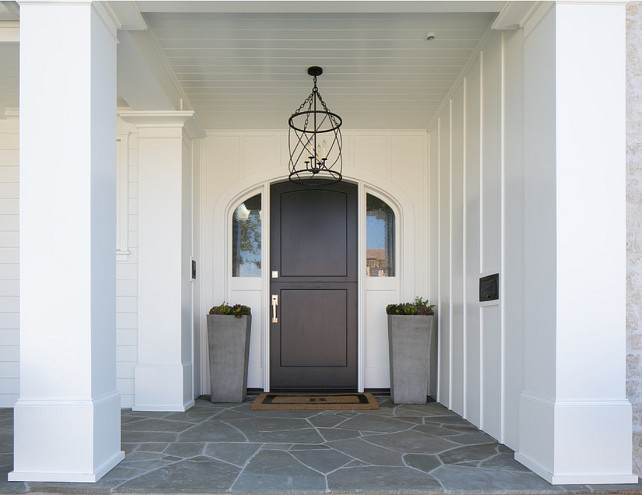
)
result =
(314, 161)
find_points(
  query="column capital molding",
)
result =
(163, 120)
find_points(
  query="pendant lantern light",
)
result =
(314, 140)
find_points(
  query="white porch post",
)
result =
(163, 376)
(67, 420)
(575, 421)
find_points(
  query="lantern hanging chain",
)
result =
(311, 104)
(308, 101)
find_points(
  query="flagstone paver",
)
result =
(470, 478)
(234, 453)
(423, 462)
(199, 473)
(377, 477)
(367, 452)
(278, 470)
(223, 448)
(324, 462)
(412, 442)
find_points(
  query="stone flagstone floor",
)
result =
(219, 448)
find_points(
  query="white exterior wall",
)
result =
(476, 213)
(9, 264)
(237, 165)
(126, 271)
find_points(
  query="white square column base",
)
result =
(577, 442)
(163, 387)
(46, 451)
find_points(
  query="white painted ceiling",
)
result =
(249, 70)
(243, 64)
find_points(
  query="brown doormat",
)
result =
(283, 402)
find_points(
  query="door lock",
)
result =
(275, 303)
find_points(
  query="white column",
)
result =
(575, 421)
(163, 376)
(67, 420)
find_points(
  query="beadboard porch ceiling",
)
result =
(244, 64)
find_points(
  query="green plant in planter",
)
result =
(418, 307)
(237, 310)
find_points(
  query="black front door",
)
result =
(313, 334)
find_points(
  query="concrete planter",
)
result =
(229, 347)
(409, 340)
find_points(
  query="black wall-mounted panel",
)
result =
(489, 288)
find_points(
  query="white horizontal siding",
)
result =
(127, 287)
(9, 265)
(127, 274)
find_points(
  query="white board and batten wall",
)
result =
(476, 211)
(236, 165)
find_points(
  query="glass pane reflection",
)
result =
(246, 238)
(380, 238)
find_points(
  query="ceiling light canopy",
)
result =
(314, 140)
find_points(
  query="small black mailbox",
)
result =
(489, 288)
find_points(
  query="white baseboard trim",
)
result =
(575, 479)
(69, 477)
(164, 407)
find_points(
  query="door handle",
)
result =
(275, 303)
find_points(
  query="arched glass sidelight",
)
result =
(380, 238)
(246, 238)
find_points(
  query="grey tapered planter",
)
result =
(229, 347)
(409, 340)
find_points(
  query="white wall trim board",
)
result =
(440, 334)
(502, 237)
(122, 196)
(464, 240)
(450, 258)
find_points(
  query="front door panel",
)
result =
(313, 344)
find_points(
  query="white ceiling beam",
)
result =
(9, 11)
(514, 15)
(145, 81)
(127, 15)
